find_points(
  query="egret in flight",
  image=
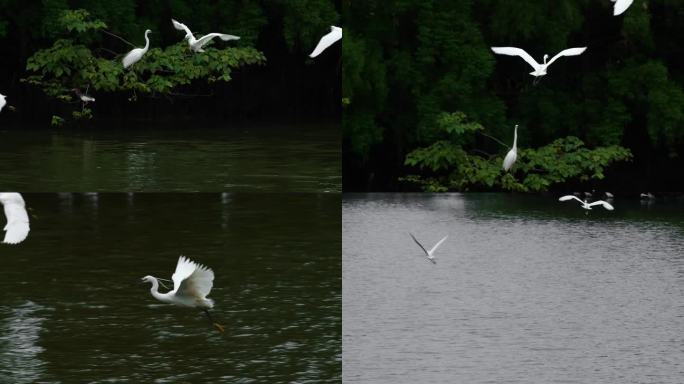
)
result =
(512, 155)
(17, 227)
(621, 6)
(431, 253)
(539, 69)
(192, 283)
(136, 54)
(327, 40)
(586, 205)
(197, 44)
(2, 101)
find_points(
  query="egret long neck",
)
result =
(515, 137)
(155, 290)
(147, 41)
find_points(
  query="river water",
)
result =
(525, 290)
(72, 308)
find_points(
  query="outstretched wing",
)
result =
(327, 40)
(17, 227)
(606, 205)
(419, 244)
(438, 244)
(512, 51)
(192, 279)
(568, 52)
(621, 6)
(570, 197)
(181, 27)
(205, 39)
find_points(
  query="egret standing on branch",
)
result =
(431, 253)
(327, 40)
(197, 44)
(136, 54)
(585, 203)
(512, 155)
(17, 227)
(192, 283)
(539, 69)
(621, 6)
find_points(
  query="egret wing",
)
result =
(621, 6)
(327, 40)
(132, 57)
(605, 204)
(567, 52)
(419, 244)
(192, 279)
(509, 160)
(17, 227)
(181, 27)
(512, 51)
(207, 38)
(438, 244)
(570, 197)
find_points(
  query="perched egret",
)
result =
(539, 69)
(621, 6)
(430, 254)
(512, 155)
(17, 227)
(136, 54)
(327, 40)
(192, 283)
(586, 205)
(197, 44)
(2, 101)
(84, 98)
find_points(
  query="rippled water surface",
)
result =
(525, 290)
(257, 159)
(72, 309)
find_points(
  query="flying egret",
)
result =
(192, 283)
(430, 254)
(539, 69)
(2, 101)
(136, 54)
(512, 155)
(327, 40)
(197, 44)
(17, 227)
(621, 6)
(586, 205)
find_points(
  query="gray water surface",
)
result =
(72, 309)
(525, 290)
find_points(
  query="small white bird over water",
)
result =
(621, 6)
(539, 69)
(197, 44)
(2, 101)
(192, 283)
(431, 253)
(136, 54)
(512, 155)
(327, 40)
(17, 227)
(586, 205)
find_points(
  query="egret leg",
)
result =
(216, 325)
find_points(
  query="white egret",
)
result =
(192, 283)
(621, 6)
(586, 205)
(84, 98)
(197, 44)
(539, 69)
(431, 253)
(136, 54)
(512, 155)
(647, 195)
(2, 101)
(327, 40)
(17, 227)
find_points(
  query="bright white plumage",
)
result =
(2, 101)
(621, 6)
(136, 54)
(327, 40)
(17, 227)
(197, 44)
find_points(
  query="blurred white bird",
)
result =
(2, 101)
(430, 254)
(621, 6)
(17, 227)
(192, 283)
(197, 44)
(647, 195)
(327, 40)
(136, 54)
(586, 205)
(512, 155)
(84, 98)
(539, 69)
(608, 195)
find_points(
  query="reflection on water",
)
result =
(267, 158)
(277, 289)
(525, 290)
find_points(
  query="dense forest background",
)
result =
(425, 99)
(285, 85)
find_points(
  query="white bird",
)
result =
(586, 205)
(136, 54)
(512, 155)
(430, 254)
(608, 195)
(647, 195)
(539, 69)
(327, 40)
(2, 101)
(192, 283)
(84, 98)
(17, 227)
(621, 6)
(197, 44)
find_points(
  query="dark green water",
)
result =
(72, 309)
(247, 158)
